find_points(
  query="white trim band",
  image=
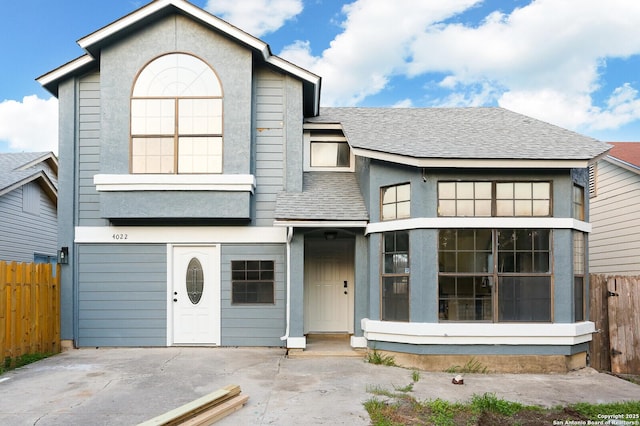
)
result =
(321, 223)
(165, 182)
(180, 234)
(479, 222)
(478, 334)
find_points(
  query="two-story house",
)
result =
(206, 199)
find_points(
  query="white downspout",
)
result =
(289, 238)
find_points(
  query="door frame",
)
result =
(169, 294)
(350, 248)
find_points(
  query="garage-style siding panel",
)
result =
(122, 295)
(259, 324)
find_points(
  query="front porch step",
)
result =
(327, 345)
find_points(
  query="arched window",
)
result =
(176, 117)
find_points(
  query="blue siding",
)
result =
(258, 325)
(89, 150)
(122, 295)
(269, 149)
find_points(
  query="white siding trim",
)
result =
(180, 234)
(296, 343)
(479, 222)
(478, 333)
(474, 163)
(321, 223)
(185, 182)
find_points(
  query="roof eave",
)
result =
(624, 164)
(51, 79)
(41, 177)
(475, 163)
(93, 42)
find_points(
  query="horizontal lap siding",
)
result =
(122, 295)
(257, 325)
(23, 234)
(89, 151)
(269, 157)
(614, 244)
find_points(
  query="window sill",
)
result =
(479, 333)
(185, 182)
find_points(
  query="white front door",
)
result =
(329, 286)
(195, 295)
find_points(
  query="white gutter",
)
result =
(289, 238)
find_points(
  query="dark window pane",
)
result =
(524, 299)
(447, 261)
(578, 298)
(402, 241)
(395, 299)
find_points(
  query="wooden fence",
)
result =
(29, 309)
(615, 310)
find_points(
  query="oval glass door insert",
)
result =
(194, 281)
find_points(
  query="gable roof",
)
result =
(156, 9)
(18, 169)
(625, 154)
(460, 137)
(325, 197)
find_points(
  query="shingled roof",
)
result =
(20, 168)
(325, 196)
(459, 133)
(628, 152)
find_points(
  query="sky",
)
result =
(572, 63)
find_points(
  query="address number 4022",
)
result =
(120, 236)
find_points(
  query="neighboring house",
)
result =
(207, 200)
(28, 207)
(614, 244)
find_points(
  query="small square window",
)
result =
(252, 282)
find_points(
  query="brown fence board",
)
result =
(624, 324)
(29, 309)
(600, 358)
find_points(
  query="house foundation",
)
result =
(533, 364)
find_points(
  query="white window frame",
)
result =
(308, 138)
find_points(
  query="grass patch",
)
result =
(472, 366)
(395, 408)
(20, 361)
(375, 357)
(415, 376)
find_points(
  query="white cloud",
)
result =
(373, 47)
(545, 59)
(257, 17)
(30, 125)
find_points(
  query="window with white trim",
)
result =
(494, 198)
(498, 275)
(176, 117)
(327, 150)
(395, 202)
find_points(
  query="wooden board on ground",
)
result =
(204, 410)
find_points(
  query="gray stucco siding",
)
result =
(175, 204)
(122, 295)
(253, 325)
(121, 62)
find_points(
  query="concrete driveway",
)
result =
(128, 386)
